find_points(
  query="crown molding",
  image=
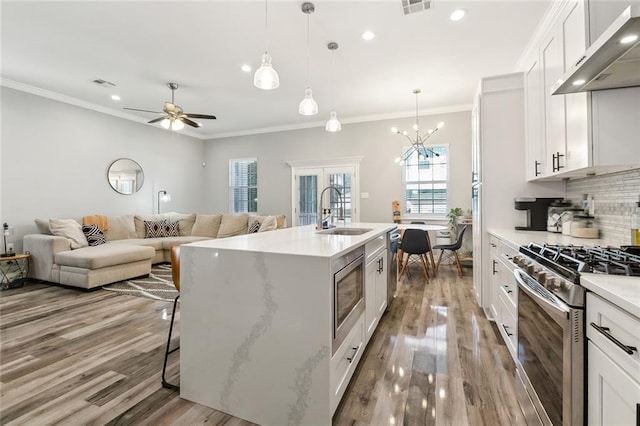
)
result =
(12, 84)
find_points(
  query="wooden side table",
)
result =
(13, 270)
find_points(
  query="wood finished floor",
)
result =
(72, 357)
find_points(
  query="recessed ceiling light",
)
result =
(115, 97)
(246, 68)
(457, 14)
(629, 39)
(578, 82)
(368, 35)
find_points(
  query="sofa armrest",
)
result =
(43, 249)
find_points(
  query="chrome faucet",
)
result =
(321, 210)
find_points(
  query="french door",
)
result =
(308, 185)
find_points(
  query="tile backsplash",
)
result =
(615, 196)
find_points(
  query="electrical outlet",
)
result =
(10, 247)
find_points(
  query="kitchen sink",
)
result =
(345, 231)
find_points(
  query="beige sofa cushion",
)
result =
(69, 229)
(233, 224)
(206, 225)
(120, 227)
(104, 255)
(281, 221)
(185, 222)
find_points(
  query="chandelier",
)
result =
(417, 144)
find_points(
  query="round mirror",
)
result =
(125, 176)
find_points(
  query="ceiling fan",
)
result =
(174, 117)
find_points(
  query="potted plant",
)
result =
(454, 217)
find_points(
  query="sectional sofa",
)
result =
(124, 247)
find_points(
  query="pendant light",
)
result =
(308, 106)
(333, 125)
(265, 77)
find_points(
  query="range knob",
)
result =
(542, 277)
(552, 283)
(531, 270)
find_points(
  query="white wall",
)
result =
(55, 158)
(379, 175)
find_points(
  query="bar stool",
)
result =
(175, 275)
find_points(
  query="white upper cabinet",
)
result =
(535, 154)
(583, 133)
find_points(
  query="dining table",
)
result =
(427, 227)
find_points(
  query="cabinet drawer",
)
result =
(508, 287)
(619, 325)
(371, 248)
(344, 362)
(494, 245)
(508, 324)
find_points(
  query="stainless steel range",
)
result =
(551, 333)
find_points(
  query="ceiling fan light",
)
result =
(333, 125)
(265, 77)
(166, 123)
(308, 106)
(177, 125)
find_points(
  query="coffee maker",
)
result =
(536, 209)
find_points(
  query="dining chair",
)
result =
(414, 242)
(453, 248)
(175, 275)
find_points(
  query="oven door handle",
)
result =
(526, 287)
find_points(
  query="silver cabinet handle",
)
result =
(605, 332)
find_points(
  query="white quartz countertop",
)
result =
(619, 290)
(299, 241)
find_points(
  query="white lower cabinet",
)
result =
(613, 364)
(375, 289)
(344, 362)
(614, 397)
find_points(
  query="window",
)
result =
(427, 182)
(243, 185)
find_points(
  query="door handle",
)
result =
(353, 355)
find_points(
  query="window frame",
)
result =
(233, 188)
(447, 183)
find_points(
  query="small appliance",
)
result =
(537, 211)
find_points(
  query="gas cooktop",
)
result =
(599, 260)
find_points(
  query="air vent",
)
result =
(413, 6)
(103, 83)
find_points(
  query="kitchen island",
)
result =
(256, 324)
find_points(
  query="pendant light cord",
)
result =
(266, 28)
(308, 55)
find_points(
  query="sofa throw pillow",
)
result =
(93, 234)
(43, 226)
(139, 220)
(206, 225)
(160, 229)
(268, 224)
(69, 229)
(254, 227)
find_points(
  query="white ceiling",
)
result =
(62, 47)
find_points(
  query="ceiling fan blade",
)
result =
(155, 120)
(191, 123)
(143, 110)
(204, 116)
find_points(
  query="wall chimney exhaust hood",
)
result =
(611, 62)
